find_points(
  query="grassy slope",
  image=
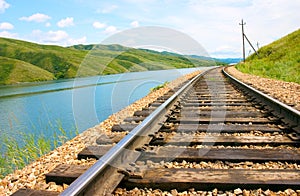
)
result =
(278, 60)
(80, 60)
(14, 71)
(54, 59)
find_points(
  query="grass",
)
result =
(18, 152)
(15, 71)
(278, 60)
(49, 62)
(159, 86)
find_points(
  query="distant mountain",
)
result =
(229, 60)
(220, 60)
(22, 61)
(112, 47)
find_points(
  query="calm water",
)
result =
(41, 108)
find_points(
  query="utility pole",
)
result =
(251, 44)
(243, 35)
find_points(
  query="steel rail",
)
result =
(289, 115)
(78, 187)
(82, 182)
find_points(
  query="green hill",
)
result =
(22, 61)
(15, 71)
(278, 60)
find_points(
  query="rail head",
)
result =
(289, 115)
(82, 182)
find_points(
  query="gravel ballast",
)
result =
(286, 92)
(33, 175)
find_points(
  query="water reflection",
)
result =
(81, 103)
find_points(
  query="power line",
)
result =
(244, 36)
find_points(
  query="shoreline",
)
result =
(32, 176)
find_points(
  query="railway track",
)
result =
(213, 134)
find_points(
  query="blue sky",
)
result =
(212, 23)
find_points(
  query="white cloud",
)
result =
(6, 26)
(110, 30)
(3, 6)
(69, 21)
(215, 23)
(99, 25)
(48, 24)
(225, 51)
(38, 17)
(108, 9)
(81, 40)
(222, 3)
(56, 37)
(50, 36)
(8, 34)
(212, 23)
(135, 24)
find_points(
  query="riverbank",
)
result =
(33, 175)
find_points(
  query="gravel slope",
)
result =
(286, 92)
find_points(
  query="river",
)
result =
(45, 107)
